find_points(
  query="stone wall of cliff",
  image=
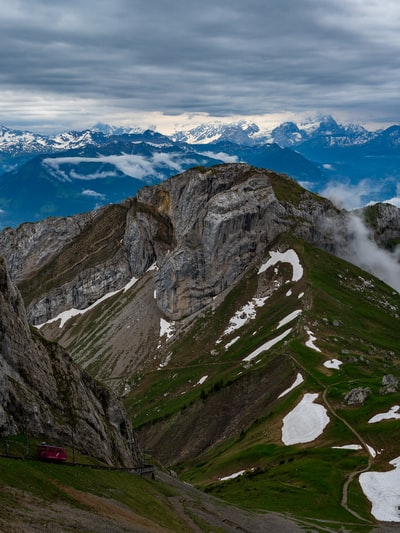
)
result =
(44, 392)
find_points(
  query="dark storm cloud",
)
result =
(217, 57)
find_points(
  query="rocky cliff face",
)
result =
(384, 222)
(45, 393)
(202, 228)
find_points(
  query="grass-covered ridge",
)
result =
(98, 240)
(235, 415)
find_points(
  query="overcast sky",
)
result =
(68, 64)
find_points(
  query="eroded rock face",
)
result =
(30, 246)
(222, 219)
(219, 226)
(43, 390)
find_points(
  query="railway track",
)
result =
(146, 469)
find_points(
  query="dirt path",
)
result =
(352, 475)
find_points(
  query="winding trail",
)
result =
(352, 475)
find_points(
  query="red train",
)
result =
(46, 452)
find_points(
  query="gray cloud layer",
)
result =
(217, 57)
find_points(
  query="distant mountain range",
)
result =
(73, 172)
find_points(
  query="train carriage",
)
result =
(46, 452)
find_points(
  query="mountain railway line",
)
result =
(141, 471)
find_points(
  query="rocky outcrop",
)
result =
(390, 384)
(357, 396)
(46, 394)
(215, 222)
(31, 245)
(71, 264)
(384, 222)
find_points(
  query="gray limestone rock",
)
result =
(390, 384)
(357, 396)
(45, 393)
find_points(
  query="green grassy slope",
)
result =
(232, 420)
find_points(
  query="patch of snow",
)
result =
(289, 318)
(383, 491)
(267, 345)
(371, 451)
(300, 295)
(310, 342)
(299, 379)
(392, 413)
(244, 314)
(130, 284)
(165, 362)
(233, 476)
(66, 315)
(333, 363)
(152, 267)
(166, 328)
(289, 292)
(229, 344)
(202, 380)
(305, 422)
(290, 256)
(349, 447)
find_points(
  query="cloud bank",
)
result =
(74, 63)
(365, 253)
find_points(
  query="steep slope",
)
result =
(300, 326)
(208, 394)
(44, 393)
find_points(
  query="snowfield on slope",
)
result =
(391, 414)
(290, 256)
(66, 315)
(305, 422)
(267, 345)
(383, 491)
(243, 315)
(249, 311)
(299, 379)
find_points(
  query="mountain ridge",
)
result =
(216, 305)
(75, 172)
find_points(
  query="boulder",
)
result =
(390, 384)
(357, 396)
